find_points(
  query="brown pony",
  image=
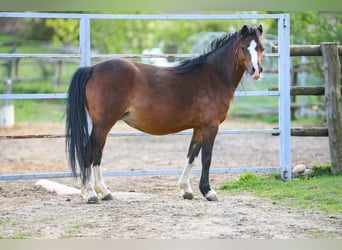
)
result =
(196, 94)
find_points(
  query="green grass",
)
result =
(38, 110)
(319, 191)
(16, 235)
(73, 229)
(21, 236)
(33, 87)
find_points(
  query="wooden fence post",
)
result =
(294, 82)
(333, 103)
(58, 73)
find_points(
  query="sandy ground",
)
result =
(150, 207)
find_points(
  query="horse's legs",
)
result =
(88, 191)
(194, 148)
(95, 187)
(208, 138)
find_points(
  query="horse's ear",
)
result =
(244, 31)
(260, 29)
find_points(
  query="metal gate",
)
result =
(85, 57)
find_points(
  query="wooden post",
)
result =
(58, 74)
(294, 80)
(306, 50)
(16, 69)
(333, 103)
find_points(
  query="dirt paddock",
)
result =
(150, 207)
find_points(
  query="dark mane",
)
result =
(188, 65)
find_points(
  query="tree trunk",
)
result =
(333, 103)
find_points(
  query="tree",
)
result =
(133, 36)
(312, 27)
(65, 30)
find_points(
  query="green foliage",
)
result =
(36, 29)
(133, 36)
(122, 36)
(65, 31)
(320, 170)
(319, 191)
(312, 28)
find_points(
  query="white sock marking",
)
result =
(183, 182)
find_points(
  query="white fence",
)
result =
(85, 56)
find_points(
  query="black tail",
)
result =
(77, 138)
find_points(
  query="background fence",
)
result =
(331, 90)
(85, 56)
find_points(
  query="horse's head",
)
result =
(250, 50)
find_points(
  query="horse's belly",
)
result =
(156, 124)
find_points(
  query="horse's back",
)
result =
(115, 68)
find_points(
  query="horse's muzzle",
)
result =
(255, 73)
(255, 76)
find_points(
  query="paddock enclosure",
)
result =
(85, 56)
(144, 169)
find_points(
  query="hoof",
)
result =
(107, 197)
(211, 196)
(188, 196)
(93, 200)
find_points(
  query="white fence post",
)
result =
(85, 52)
(284, 98)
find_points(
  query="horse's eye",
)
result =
(243, 48)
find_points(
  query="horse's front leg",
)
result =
(100, 186)
(184, 180)
(88, 190)
(208, 135)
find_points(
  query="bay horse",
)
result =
(195, 94)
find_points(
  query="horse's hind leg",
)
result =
(88, 191)
(98, 139)
(95, 188)
(194, 148)
(100, 186)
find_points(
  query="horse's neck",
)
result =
(226, 66)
